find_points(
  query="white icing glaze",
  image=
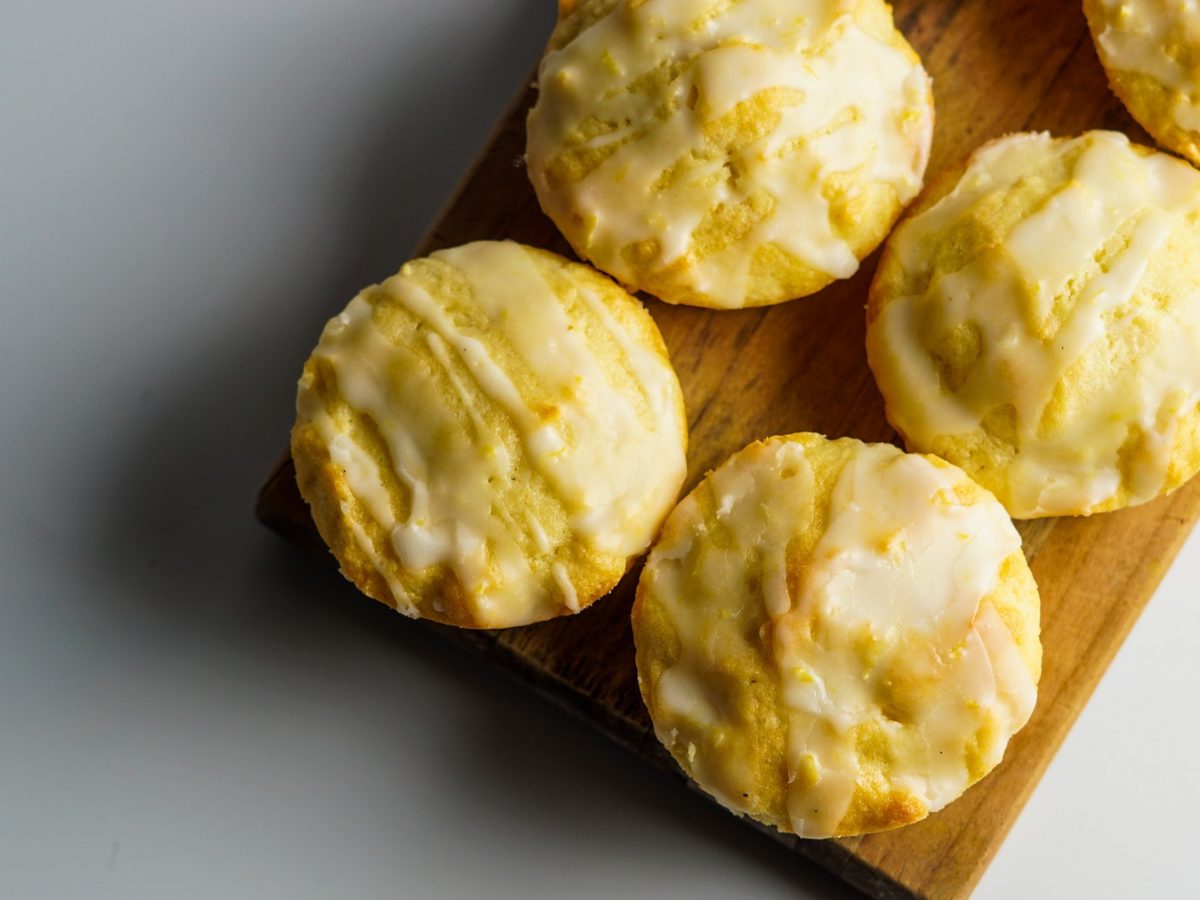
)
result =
(570, 597)
(1143, 37)
(859, 105)
(613, 457)
(1092, 239)
(902, 567)
(882, 627)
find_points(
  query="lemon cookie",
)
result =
(487, 438)
(728, 153)
(835, 637)
(1151, 52)
(1037, 321)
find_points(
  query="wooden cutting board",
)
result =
(998, 66)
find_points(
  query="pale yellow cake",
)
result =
(1151, 52)
(835, 637)
(1036, 320)
(728, 153)
(489, 437)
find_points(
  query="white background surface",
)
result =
(189, 708)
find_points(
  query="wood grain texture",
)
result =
(998, 66)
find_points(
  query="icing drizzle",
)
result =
(612, 457)
(1159, 39)
(855, 104)
(881, 630)
(1086, 248)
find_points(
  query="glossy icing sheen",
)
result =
(612, 456)
(1092, 241)
(858, 105)
(882, 630)
(1161, 40)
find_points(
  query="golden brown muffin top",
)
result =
(488, 436)
(1036, 320)
(728, 153)
(836, 637)
(1151, 49)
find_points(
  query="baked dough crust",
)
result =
(728, 154)
(1035, 319)
(488, 438)
(1150, 50)
(837, 638)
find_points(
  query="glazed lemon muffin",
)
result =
(487, 438)
(728, 153)
(835, 637)
(1036, 321)
(1151, 52)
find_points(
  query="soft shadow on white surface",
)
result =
(192, 708)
